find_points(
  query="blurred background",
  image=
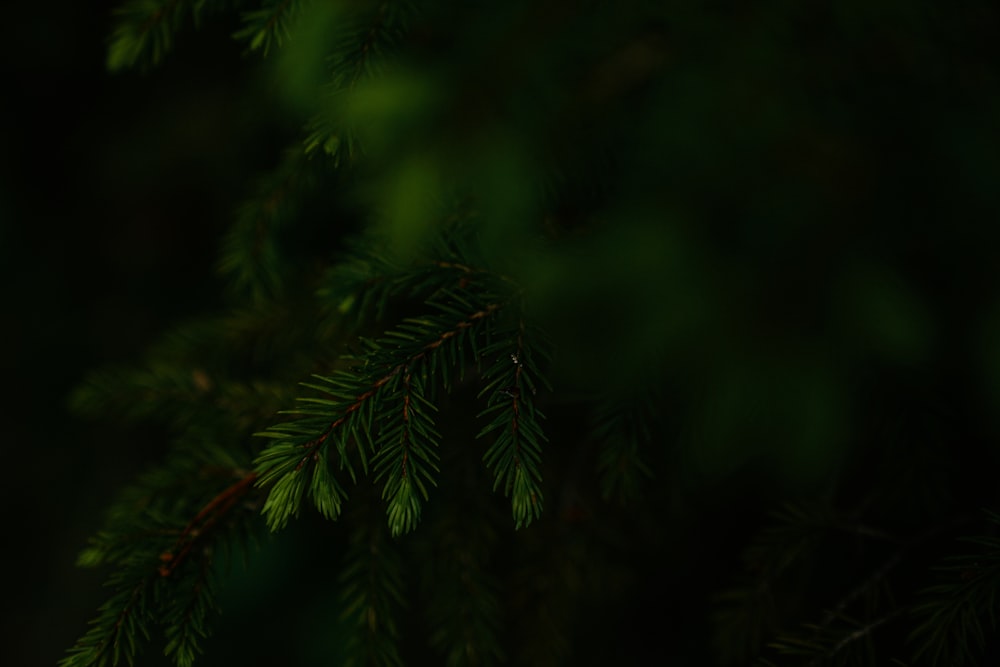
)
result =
(832, 184)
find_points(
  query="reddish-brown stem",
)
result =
(312, 446)
(515, 400)
(406, 421)
(203, 521)
(113, 637)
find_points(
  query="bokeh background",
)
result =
(839, 168)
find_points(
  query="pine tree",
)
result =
(548, 311)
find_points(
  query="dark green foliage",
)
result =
(164, 550)
(382, 407)
(870, 618)
(255, 255)
(464, 608)
(512, 382)
(121, 627)
(539, 318)
(624, 426)
(268, 27)
(955, 616)
(145, 30)
(371, 597)
(186, 617)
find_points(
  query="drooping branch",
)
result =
(401, 366)
(515, 455)
(144, 31)
(361, 400)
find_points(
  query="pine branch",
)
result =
(954, 616)
(745, 614)
(204, 521)
(268, 26)
(121, 627)
(163, 572)
(195, 375)
(371, 595)
(160, 391)
(548, 594)
(355, 56)
(252, 258)
(144, 30)
(838, 639)
(623, 425)
(359, 415)
(407, 454)
(365, 280)
(185, 617)
(795, 532)
(515, 455)
(834, 646)
(857, 635)
(880, 575)
(464, 611)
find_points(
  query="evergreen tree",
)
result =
(579, 334)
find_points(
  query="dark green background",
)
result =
(866, 134)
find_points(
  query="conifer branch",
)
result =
(144, 31)
(371, 594)
(951, 614)
(366, 46)
(826, 646)
(856, 635)
(123, 620)
(881, 573)
(515, 455)
(746, 613)
(360, 398)
(252, 257)
(161, 578)
(622, 425)
(269, 25)
(406, 454)
(204, 521)
(464, 608)
(352, 58)
(364, 281)
(185, 617)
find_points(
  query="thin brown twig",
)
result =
(203, 521)
(312, 446)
